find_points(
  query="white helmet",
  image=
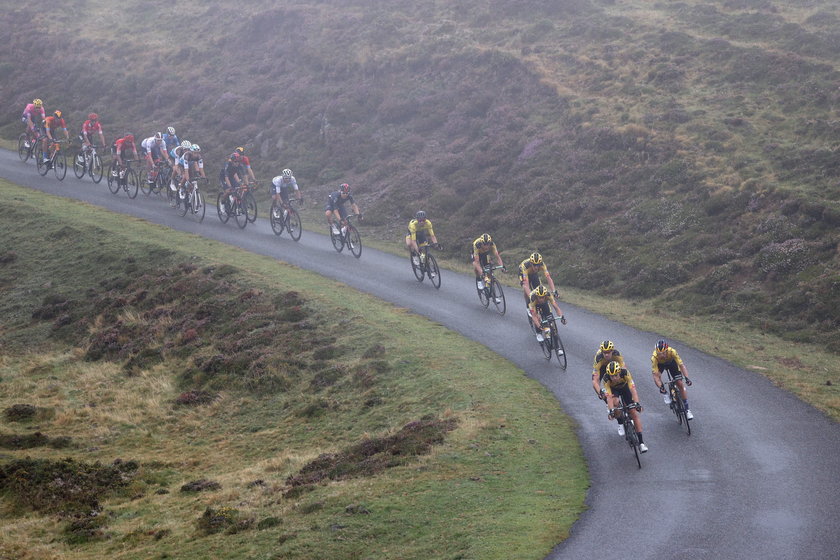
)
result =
(195, 148)
(171, 130)
(186, 144)
(287, 173)
(158, 136)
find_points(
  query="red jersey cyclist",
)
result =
(90, 127)
(664, 357)
(419, 231)
(618, 382)
(51, 126)
(123, 147)
(245, 162)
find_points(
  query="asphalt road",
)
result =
(757, 478)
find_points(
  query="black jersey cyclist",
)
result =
(335, 204)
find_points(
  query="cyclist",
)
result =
(152, 149)
(246, 164)
(122, 147)
(618, 382)
(529, 275)
(230, 178)
(607, 353)
(177, 154)
(51, 126)
(193, 166)
(336, 202)
(419, 231)
(91, 126)
(30, 112)
(541, 300)
(665, 357)
(280, 187)
(170, 139)
(479, 255)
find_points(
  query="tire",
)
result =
(293, 225)
(632, 438)
(419, 273)
(39, 161)
(24, 153)
(559, 350)
(113, 182)
(145, 187)
(496, 292)
(277, 224)
(162, 180)
(198, 206)
(545, 346)
(60, 165)
(250, 207)
(184, 202)
(337, 240)
(95, 169)
(354, 241)
(220, 208)
(132, 183)
(433, 271)
(79, 167)
(484, 296)
(239, 214)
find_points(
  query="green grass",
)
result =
(508, 481)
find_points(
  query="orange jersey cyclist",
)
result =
(480, 252)
(618, 382)
(419, 231)
(51, 126)
(665, 357)
(124, 147)
(529, 275)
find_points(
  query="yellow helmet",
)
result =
(486, 239)
(37, 102)
(607, 346)
(535, 258)
(613, 368)
(57, 114)
(541, 291)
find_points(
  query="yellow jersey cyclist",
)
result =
(419, 231)
(480, 252)
(529, 276)
(541, 302)
(664, 357)
(606, 353)
(618, 382)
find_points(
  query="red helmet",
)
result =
(129, 138)
(344, 188)
(93, 117)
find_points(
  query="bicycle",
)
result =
(57, 160)
(249, 201)
(152, 182)
(677, 405)
(88, 161)
(426, 265)
(630, 435)
(551, 343)
(27, 142)
(492, 290)
(127, 178)
(283, 216)
(191, 198)
(347, 236)
(233, 203)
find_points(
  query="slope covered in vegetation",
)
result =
(682, 153)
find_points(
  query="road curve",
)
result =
(757, 478)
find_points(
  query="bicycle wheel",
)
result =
(277, 222)
(418, 269)
(250, 207)
(545, 346)
(240, 214)
(294, 228)
(497, 294)
(24, 152)
(113, 180)
(80, 166)
(337, 240)
(559, 350)
(132, 183)
(632, 437)
(354, 241)
(184, 199)
(484, 295)
(198, 206)
(39, 161)
(95, 169)
(162, 180)
(433, 271)
(145, 187)
(60, 165)
(220, 208)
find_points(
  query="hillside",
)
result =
(679, 153)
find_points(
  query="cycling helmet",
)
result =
(129, 138)
(158, 136)
(171, 130)
(344, 188)
(613, 368)
(420, 215)
(93, 117)
(195, 148)
(661, 345)
(541, 291)
(239, 149)
(535, 258)
(37, 102)
(186, 143)
(607, 346)
(287, 173)
(486, 239)
(57, 114)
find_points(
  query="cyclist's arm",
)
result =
(498, 256)
(355, 208)
(548, 278)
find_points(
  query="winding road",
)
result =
(757, 478)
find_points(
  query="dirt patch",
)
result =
(20, 412)
(201, 485)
